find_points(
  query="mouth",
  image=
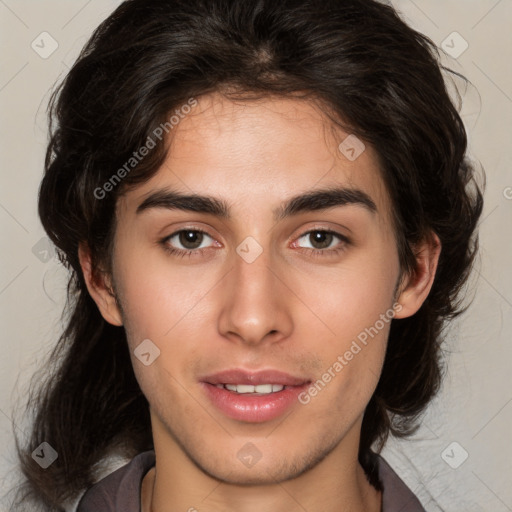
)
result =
(253, 397)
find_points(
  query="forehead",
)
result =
(257, 152)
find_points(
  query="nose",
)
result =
(256, 304)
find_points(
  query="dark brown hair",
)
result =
(381, 78)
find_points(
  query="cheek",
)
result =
(351, 298)
(355, 305)
(157, 296)
(350, 374)
(171, 306)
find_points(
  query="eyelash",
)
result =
(322, 253)
(181, 253)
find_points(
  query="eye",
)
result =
(188, 240)
(322, 241)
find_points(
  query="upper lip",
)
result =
(239, 376)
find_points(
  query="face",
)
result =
(278, 270)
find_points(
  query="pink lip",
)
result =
(253, 408)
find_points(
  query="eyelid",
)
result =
(324, 228)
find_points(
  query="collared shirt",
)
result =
(121, 490)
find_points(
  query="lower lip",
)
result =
(253, 408)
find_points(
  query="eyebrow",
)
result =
(307, 202)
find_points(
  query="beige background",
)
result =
(474, 408)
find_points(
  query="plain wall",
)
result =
(474, 408)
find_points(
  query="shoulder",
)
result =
(396, 496)
(119, 491)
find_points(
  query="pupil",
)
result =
(320, 239)
(191, 239)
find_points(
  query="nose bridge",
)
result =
(255, 306)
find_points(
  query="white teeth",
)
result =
(263, 388)
(248, 388)
(244, 388)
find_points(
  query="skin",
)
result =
(290, 309)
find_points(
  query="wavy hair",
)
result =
(379, 77)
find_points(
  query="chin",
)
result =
(249, 477)
(281, 468)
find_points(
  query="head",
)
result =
(188, 129)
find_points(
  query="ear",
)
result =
(99, 287)
(415, 287)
